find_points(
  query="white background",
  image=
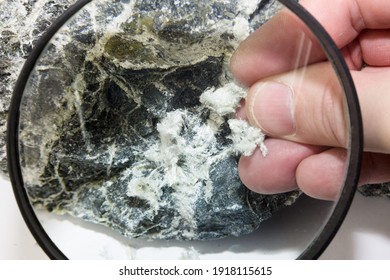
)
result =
(365, 234)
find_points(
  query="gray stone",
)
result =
(382, 190)
(112, 129)
(21, 24)
(95, 134)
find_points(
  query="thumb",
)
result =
(308, 106)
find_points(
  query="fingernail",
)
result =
(271, 108)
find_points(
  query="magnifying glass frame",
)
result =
(330, 228)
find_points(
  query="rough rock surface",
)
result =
(118, 126)
(113, 128)
(22, 22)
(382, 190)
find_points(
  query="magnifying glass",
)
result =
(122, 141)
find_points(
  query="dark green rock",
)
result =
(90, 115)
(94, 115)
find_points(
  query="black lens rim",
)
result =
(14, 168)
(321, 241)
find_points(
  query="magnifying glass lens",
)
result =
(128, 141)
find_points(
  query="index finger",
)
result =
(273, 48)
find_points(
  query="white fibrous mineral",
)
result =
(127, 120)
(223, 100)
(246, 138)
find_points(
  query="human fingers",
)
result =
(275, 173)
(314, 111)
(317, 171)
(371, 48)
(273, 48)
(375, 47)
(322, 175)
(373, 86)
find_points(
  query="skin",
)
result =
(308, 133)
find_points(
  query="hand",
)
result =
(308, 133)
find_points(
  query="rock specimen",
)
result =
(382, 190)
(21, 24)
(119, 124)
